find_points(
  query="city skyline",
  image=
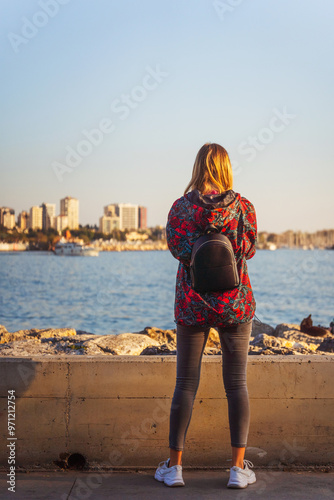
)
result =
(115, 216)
(120, 110)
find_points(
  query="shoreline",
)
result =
(284, 339)
(148, 248)
(117, 247)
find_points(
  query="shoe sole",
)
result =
(238, 485)
(162, 480)
(174, 484)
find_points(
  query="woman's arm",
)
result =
(250, 230)
(178, 235)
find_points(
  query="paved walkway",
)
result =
(70, 485)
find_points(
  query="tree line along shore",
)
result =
(150, 239)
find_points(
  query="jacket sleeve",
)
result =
(177, 235)
(250, 230)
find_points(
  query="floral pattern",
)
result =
(186, 223)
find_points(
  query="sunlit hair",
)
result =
(212, 169)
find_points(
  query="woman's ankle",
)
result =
(175, 457)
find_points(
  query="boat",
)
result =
(74, 248)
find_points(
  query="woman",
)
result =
(211, 201)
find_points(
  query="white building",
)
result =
(127, 213)
(7, 217)
(36, 218)
(61, 223)
(107, 224)
(70, 207)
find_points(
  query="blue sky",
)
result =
(159, 79)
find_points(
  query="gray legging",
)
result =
(190, 346)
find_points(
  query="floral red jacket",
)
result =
(187, 219)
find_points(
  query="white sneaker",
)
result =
(241, 478)
(171, 476)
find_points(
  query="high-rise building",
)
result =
(36, 218)
(70, 207)
(142, 218)
(123, 216)
(2, 211)
(110, 211)
(61, 223)
(23, 220)
(48, 217)
(6, 218)
(108, 224)
(128, 216)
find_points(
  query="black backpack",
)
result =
(213, 267)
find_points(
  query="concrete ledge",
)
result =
(115, 410)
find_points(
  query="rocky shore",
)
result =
(285, 339)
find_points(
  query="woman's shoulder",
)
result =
(180, 202)
(246, 204)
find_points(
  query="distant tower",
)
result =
(48, 217)
(70, 207)
(128, 215)
(23, 220)
(7, 217)
(142, 218)
(36, 218)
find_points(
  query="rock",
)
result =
(150, 341)
(212, 351)
(256, 350)
(263, 340)
(259, 327)
(285, 327)
(297, 336)
(326, 345)
(213, 340)
(34, 347)
(293, 344)
(123, 344)
(161, 336)
(3, 330)
(164, 349)
(6, 337)
(303, 350)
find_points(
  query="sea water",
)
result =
(120, 292)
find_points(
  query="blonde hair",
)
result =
(212, 168)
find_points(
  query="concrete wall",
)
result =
(115, 410)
